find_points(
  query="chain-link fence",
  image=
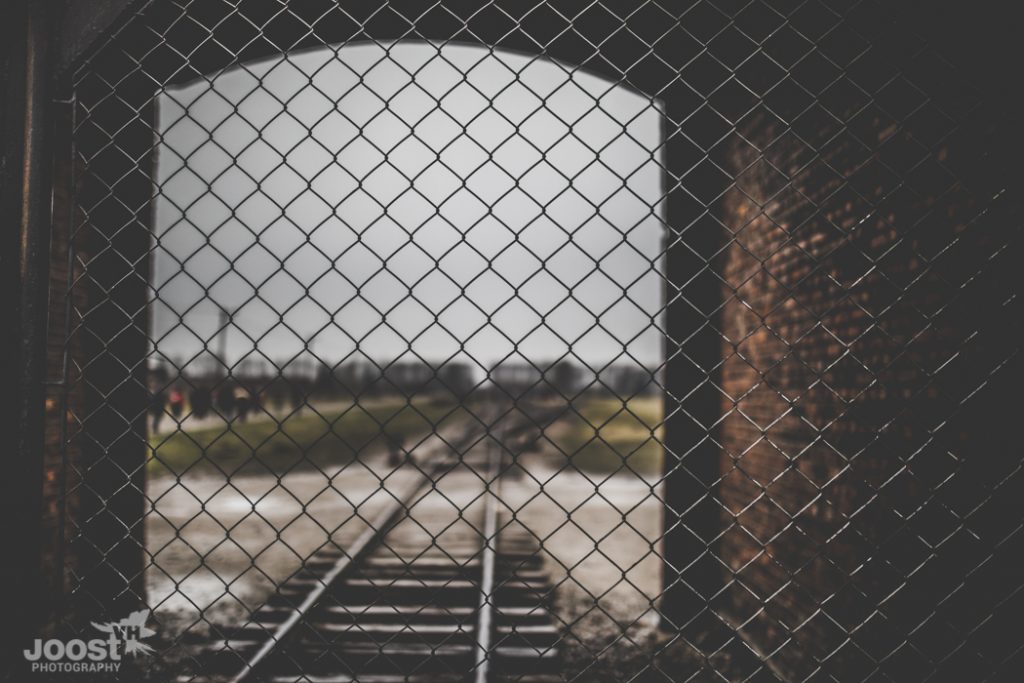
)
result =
(537, 341)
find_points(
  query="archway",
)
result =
(403, 232)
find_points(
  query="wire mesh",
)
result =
(729, 286)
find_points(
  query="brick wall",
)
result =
(870, 466)
(94, 449)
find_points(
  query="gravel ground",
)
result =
(599, 538)
(218, 548)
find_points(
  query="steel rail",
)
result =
(381, 523)
(485, 607)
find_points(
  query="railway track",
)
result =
(440, 587)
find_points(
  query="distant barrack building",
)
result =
(355, 378)
(569, 380)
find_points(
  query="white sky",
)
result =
(291, 193)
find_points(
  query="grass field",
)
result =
(606, 436)
(303, 440)
(602, 439)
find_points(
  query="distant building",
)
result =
(455, 379)
(409, 378)
(515, 378)
(356, 378)
(626, 381)
(565, 378)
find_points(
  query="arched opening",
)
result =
(371, 241)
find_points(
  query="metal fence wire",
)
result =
(567, 340)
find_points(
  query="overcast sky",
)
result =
(312, 194)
